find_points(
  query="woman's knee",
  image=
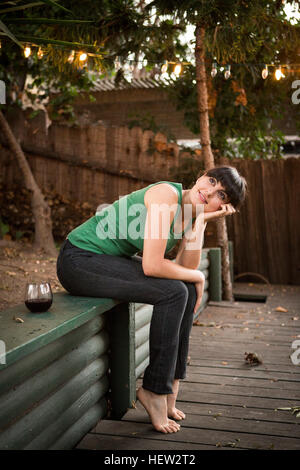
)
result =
(177, 289)
(192, 293)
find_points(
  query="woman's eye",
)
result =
(212, 181)
(222, 195)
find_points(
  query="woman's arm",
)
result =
(161, 204)
(188, 254)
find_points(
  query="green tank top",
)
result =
(118, 229)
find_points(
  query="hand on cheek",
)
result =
(224, 210)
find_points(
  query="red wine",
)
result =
(38, 305)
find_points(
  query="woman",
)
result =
(97, 260)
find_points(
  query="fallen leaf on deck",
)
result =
(10, 273)
(225, 363)
(18, 319)
(197, 323)
(252, 359)
(294, 409)
(280, 309)
(227, 444)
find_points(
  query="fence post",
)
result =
(122, 358)
(215, 274)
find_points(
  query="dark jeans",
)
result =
(85, 273)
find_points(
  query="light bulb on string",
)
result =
(177, 69)
(278, 73)
(227, 72)
(82, 56)
(265, 72)
(117, 63)
(214, 70)
(27, 51)
(40, 53)
(164, 67)
(71, 57)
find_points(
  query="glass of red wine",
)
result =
(38, 296)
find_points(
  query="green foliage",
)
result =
(257, 146)
(107, 29)
(237, 31)
(4, 228)
(246, 34)
(245, 108)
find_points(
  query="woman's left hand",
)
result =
(226, 209)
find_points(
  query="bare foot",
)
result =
(156, 407)
(173, 412)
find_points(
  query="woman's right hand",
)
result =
(199, 286)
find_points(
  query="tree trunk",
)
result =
(222, 237)
(202, 97)
(207, 154)
(43, 238)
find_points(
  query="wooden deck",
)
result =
(228, 403)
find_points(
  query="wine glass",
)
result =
(38, 296)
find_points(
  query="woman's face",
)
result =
(208, 191)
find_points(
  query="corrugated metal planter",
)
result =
(63, 365)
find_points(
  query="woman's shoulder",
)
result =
(161, 192)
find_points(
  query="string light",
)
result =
(27, 51)
(164, 67)
(177, 69)
(117, 63)
(265, 72)
(71, 57)
(82, 56)
(227, 72)
(214, 70)
(40, 53)
(278, 73)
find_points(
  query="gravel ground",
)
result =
(19, 264)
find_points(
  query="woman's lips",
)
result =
(202, 197)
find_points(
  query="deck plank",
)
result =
(199, 435)
(228, 404)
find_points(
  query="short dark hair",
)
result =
(234, 184)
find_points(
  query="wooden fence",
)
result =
(266, 233)
(97, 164)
